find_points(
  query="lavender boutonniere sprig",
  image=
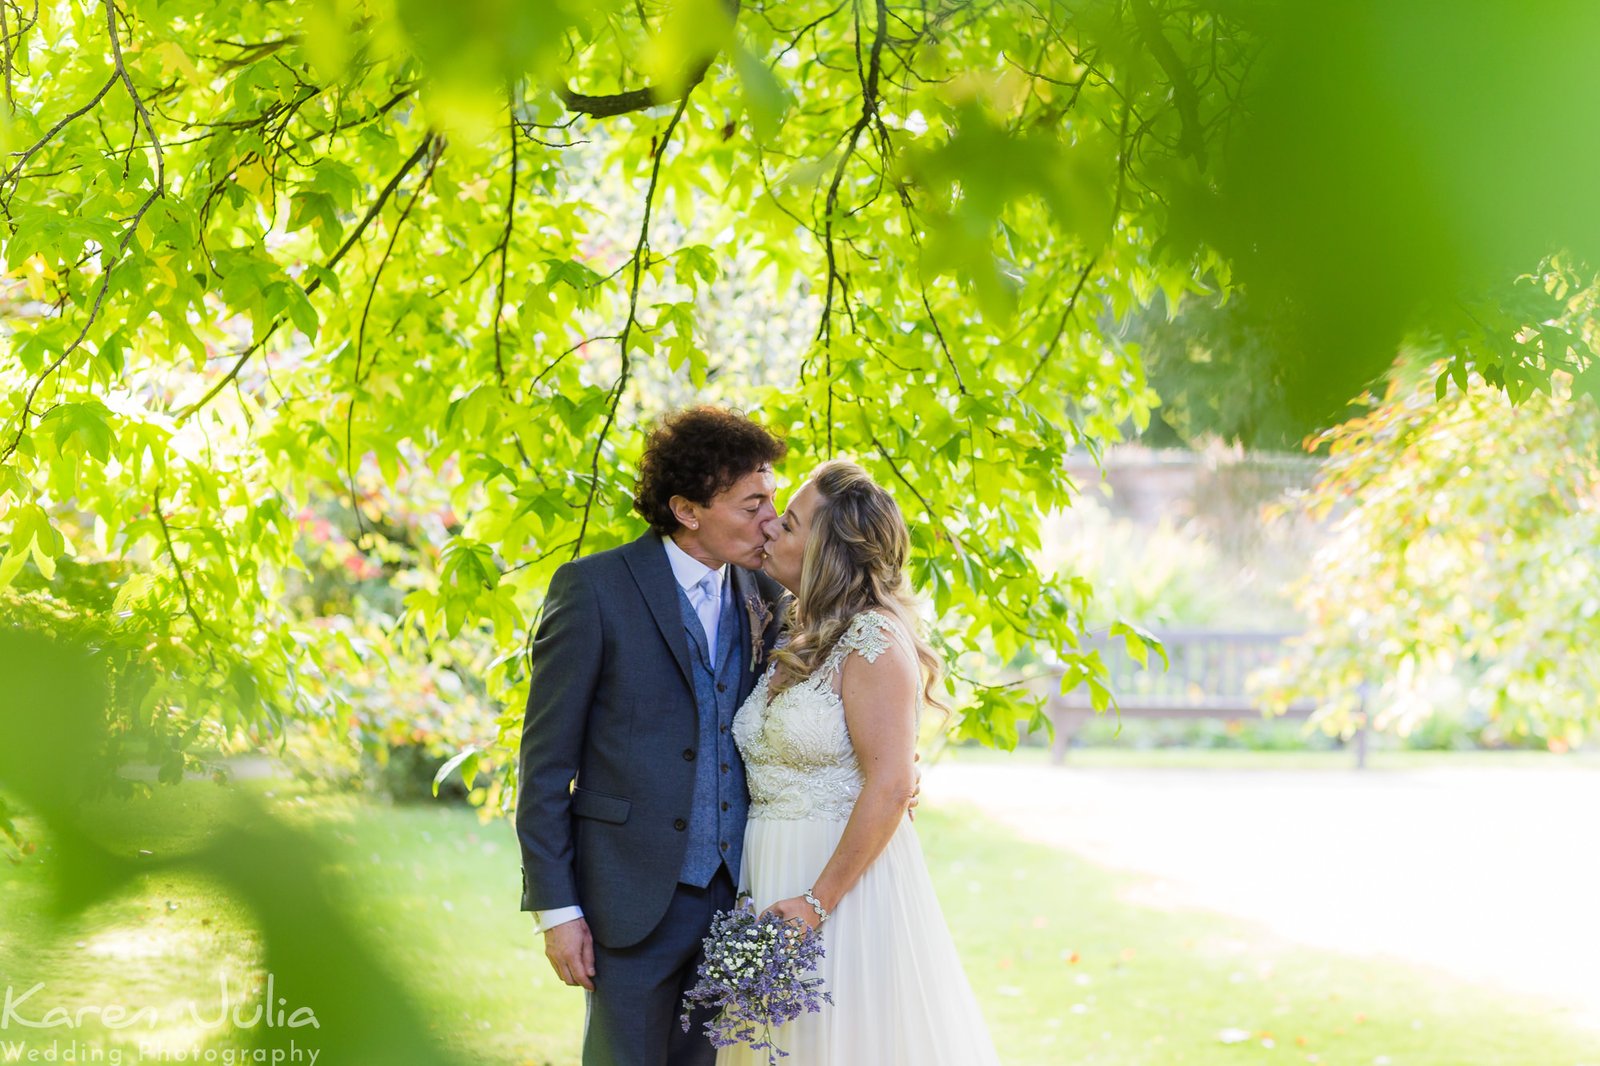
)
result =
(755, 976)
(760, 612)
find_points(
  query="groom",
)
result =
(631, 799)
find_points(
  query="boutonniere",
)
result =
(760, 612)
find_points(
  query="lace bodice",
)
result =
(798, 757)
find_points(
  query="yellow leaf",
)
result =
(164, 265)
(36, 272)
(174, 58)
(10, 565)
(252, 177)
(43, 560)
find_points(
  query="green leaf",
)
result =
(1586, 382)
(765, 97)
(467, 759)
(301, 313)
(11, 564)
(570, 272)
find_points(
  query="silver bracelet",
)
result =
(816, 905)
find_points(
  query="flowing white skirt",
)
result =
(900, 997)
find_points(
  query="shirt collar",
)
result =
(688, 570)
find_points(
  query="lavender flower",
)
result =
(754, 974)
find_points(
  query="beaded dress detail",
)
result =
(798, 758)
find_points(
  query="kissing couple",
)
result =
(730, 705)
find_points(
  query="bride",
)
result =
(828, 738)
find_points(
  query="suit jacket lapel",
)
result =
(747, 592)
(693, 630)
(647, 559)
(733, 633)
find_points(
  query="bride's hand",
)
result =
(795, 907)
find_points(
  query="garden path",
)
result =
(1489, 873)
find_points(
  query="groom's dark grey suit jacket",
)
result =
(604, 789)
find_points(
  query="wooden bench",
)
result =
(1205, 678)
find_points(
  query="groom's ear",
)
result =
(685, 511)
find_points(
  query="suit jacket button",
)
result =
(688, 755)
(679, 824)
(721, 687)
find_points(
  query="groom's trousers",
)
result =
(633, 1012)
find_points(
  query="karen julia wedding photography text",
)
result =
(32, 1030)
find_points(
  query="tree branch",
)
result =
(77, 342)
(1061, 328)
(377, 274)
(57, 128)
(1184, 97)
(557, 360)
(5, 35)
(640, 254)
(956, 538)
(183, 581)
(361, 335)
(622, 103)
(504, 247)
(422, 149)
(428, 141)
(122, 245)
(869, 106)
(138, 101)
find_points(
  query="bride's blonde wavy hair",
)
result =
(854, 560)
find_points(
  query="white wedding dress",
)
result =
(900, 997)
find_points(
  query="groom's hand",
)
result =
(916, 790)
(570, 949)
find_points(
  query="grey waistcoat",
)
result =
(717, 815)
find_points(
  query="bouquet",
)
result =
(755, 976)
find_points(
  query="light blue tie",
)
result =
(708, 605)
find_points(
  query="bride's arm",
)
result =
(880, 700)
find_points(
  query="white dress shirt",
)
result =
(703, 585)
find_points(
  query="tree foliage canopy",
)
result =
(332, 326)
(1461, 569)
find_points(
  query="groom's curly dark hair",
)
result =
(696, 453)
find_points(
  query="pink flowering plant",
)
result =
(756, 975)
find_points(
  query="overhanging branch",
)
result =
(429, 143)
(1184, 96)
(641, 252)
(622, 103)
(613, 104)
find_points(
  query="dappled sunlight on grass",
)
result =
(1073, 964)
(174, 958)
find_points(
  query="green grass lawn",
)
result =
(1068, 968)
